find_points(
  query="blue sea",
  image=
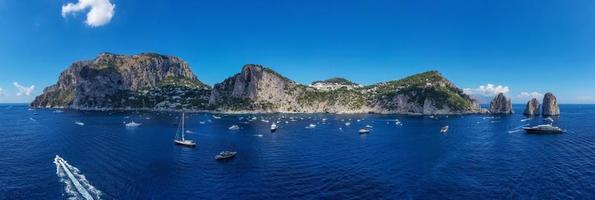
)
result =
(481, 156)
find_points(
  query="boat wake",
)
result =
(518, 129)
(76, 185)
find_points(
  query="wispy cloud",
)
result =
(487, 90)
(1, 92)
(100, 11)
(23, 90)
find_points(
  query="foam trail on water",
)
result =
(76, 185)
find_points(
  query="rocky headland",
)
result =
(158, 82)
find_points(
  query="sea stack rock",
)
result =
(501, 105)
(550, 105)
(532, 107)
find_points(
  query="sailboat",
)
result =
(182, 141)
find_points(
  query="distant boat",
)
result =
(444, 129)
(369, 126)
(273, 127)
(225, 155)
(548, 120)
(132, 124)
(364, 131)
(234, 127)
(347, 123)
(79, 123)
(183, 141)
(216, 117)
(545, 128)
(58, 111)
(311, 126)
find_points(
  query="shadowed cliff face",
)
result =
(501, 105)
(101, 81)
(550, 105)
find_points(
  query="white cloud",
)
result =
(100, 13)
(23, 90)
(1, 92)
(487, 90)
(530, 95)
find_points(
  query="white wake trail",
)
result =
(76, 185)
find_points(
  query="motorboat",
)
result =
(234, 127)
(79, 123)
(132, 124)
(544, 128)
(225, 155)
(364, 131)
(444, 129)
(347, 123)
(273, 127)
(311, 126)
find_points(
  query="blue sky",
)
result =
(522, 46)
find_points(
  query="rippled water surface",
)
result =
(480, 156)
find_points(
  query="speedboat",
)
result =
(132, 124)
(444, 129)
(311, 126)
(544, 128)
(369, 126)
(79, 123)
(347, 123)
(225, 155)
(234, 127)
(273, 127)
(364, 131)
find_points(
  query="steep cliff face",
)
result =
(532, 107)
(501, 105)
(550, 105)
(117, 81)
(260, 89)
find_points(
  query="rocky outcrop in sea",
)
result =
(501, 105)
(532, 107)
(550, 105)
(153, 81)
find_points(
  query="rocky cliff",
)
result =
(260, 89)
(532, 107)
(153, 81)
(550, 105)
(121, 81)
(501, 105)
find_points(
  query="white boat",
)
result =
(369, 126)
(311, 126)
(444, 129)
(183, 141)
(225, 155)
(273, 127)
(364, 131)
(347, 123)
(132, 124)
(216, 117)
(234, 127)
(79, 123)
(545, 128)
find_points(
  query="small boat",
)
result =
(548, 120)
(79, 123)
(369, 126)
(132, 124)
(544, 128)
(234, 127)
(225, 155)
(444, 129)
(364, 131)
(311, 126)
(216, 117)
(183, 141)
(58, 111)
(273, 127)
(347, 123)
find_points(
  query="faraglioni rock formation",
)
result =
(501, 105)
(532, 107)
(153, 81)
(550, 105)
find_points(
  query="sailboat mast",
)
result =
(183, 126)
